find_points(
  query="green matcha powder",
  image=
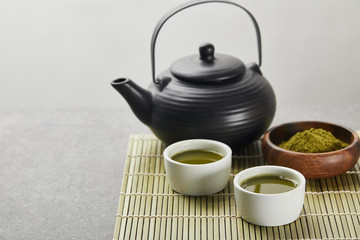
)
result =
(314, 140)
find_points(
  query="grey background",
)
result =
(56, 54)
(64, 130)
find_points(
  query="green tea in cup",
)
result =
(269, 195)
(197, 156)
(268, 184)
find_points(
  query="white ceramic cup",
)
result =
(200, 179)
(269, 209)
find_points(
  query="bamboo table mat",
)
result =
(149, 209)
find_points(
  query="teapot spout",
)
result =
(139, 99)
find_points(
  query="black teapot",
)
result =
(207, 95)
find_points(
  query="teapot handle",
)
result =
(187, 5)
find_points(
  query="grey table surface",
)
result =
(61, 170)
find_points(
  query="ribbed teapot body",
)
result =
(235, 112)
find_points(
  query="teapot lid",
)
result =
(207, 68)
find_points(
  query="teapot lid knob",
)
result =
(207, 52)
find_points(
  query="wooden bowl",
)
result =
(311, 165)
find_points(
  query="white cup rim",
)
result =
(290, 170)
(221, 144)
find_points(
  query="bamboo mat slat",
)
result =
(149, 209)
